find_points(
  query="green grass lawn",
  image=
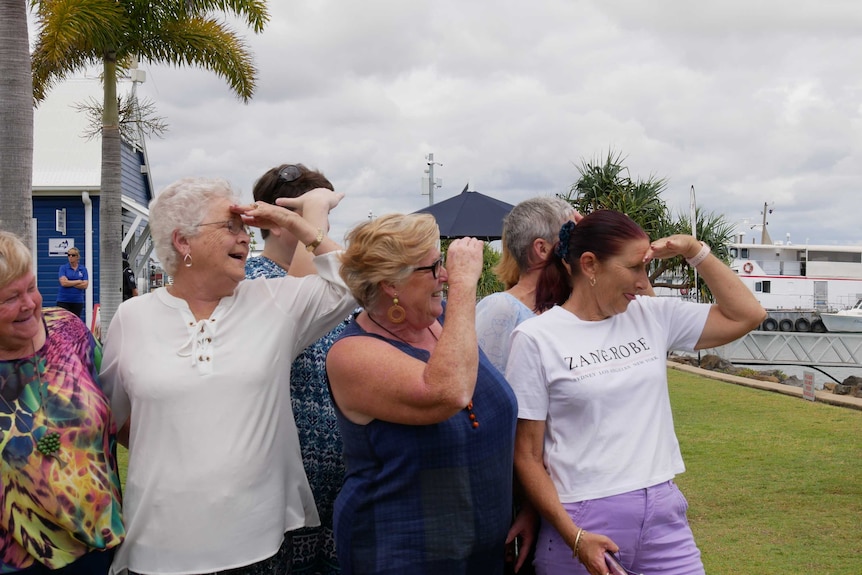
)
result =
(774, 483)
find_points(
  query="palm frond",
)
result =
(71, 35)
(206, 43)
(254, 12)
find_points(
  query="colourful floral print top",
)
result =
(55, 508)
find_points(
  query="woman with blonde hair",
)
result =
(60, 502)
(427, 422)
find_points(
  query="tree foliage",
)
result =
(136, 117)
(605, 183)
(488, 282)
(75, 34)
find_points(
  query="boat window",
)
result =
(733, 252)
(767, 287)
(758, 286)
(743, 253)
(824, 256)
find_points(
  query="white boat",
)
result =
(846, 320)
(799, 283)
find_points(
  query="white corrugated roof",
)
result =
(62, 157)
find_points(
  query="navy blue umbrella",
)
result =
(469, 214)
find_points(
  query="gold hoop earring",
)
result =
(593, 281)
(396, 313)
(187, 260)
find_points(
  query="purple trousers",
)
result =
(649, 525)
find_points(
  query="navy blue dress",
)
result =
(429, 499)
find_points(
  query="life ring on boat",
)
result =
(748, 268)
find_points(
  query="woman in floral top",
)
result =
(60, 503)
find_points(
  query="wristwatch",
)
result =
(317, 241)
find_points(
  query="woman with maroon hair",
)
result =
(595, 446)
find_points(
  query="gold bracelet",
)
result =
(317, 241)
(581, 531)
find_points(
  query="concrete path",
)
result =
(821, 396)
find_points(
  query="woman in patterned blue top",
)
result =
(427, 421)
(319, 440)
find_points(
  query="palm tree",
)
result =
(75, 34)
(606, 184)
(16, 120)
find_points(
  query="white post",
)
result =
(432, 183)
(693, 207)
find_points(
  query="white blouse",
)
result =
(215, 475)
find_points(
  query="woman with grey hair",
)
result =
(199, 373)
(529, 233)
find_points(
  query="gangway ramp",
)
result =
(794, 348)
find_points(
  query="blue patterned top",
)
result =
(429, 499)
(319, 439)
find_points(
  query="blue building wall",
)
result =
(135, 186)
(44, 210)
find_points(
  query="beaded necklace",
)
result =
(469, 408)
(49, 444)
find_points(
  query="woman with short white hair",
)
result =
(199, 371)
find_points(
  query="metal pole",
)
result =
(431, 179)
(693, 207)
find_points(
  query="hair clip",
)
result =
(562, 247)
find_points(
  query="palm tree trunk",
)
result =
(110, 202)
(16, 120)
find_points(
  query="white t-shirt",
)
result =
(496, 316)
(601, 388)
(215, 475)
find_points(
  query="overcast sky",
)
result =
(749, 102)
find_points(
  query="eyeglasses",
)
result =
(434, 268)
(233, 225)
(289, 174)
(74, 255)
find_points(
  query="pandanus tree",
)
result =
(605, 183)
(73, 35)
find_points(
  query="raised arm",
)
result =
(306, 217)
(736, 311)
(372, 379)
